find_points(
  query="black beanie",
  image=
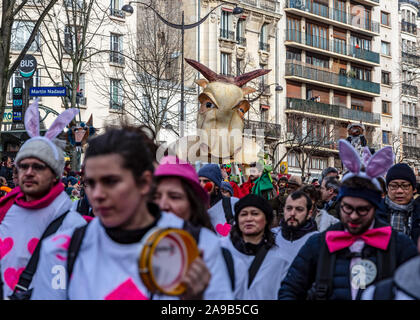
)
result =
(252, 200)
(401, 171)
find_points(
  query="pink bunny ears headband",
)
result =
(32, 124)
(373, 166)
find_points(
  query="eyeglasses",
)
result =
(361, 211)
(35, 167)
(394, 186)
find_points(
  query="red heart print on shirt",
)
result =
(11, 276)
(126, 291)
(32, 245)
(223, 229)
(5, 246)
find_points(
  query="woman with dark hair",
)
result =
(178, 190)
(118, 177)
(258, 262)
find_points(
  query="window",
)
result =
(264, 38)
(340, 11)
(293, 160)
(116, 6)
(163, 109)
(360, 43)
(318, 163)
(293, 55)
(80, 87)
(225, 60)
(385, 18)
(386, 78)
(317, 61)
(385, 48)
(226, 25)
(71, 34)
(293, 30)
(116, 94)
(386, 107)
(362, 73)
(116, 48)
(386, 137)
(240, 32)
(239, 66)
(316, 36)
(21, 31)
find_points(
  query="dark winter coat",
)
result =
(302, 272)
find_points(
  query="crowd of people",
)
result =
(351, 235)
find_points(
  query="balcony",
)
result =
(268, 5)
(331, 110)
(264, 46)
(325, 12)
(271, 130)
(409, 90)
(117, 13)
(226, 34)
(411, 152)
(333, 46)
(116, 57)
(410, 121)
(408, 27)
(241, 41)
(410, 58)
(335, 79)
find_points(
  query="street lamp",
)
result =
(129, 10)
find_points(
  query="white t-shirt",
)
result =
(20, 232)
(107, 270)
(266, 283)
(218, 218)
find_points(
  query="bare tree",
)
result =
(12, 11)
(151, 79)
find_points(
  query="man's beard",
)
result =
(298, 226)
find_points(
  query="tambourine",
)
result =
(165, 258)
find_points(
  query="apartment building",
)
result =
(339, 59)
(409, 19)
(232, 44)
(99, 90)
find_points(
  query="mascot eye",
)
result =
(210, 105)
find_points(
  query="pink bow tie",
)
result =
(378, 238)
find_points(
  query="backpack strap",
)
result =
(192, 229)
(387, 260)
(324, 272)
(227, 208)
(227, 255)
(74, 248)
(256, 264)
(25, 278)
(384, 290)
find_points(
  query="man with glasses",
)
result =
(339, 263)
(400, 209)
(35, 209)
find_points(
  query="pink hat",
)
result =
(171, 166)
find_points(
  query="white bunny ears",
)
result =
(374, 166)
(32, 121)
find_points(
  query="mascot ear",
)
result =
(349, 156)
(202, 82)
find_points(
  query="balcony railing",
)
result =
(410, 58)
(241, 41)
(411, 152)
(264, 46)
(331, 45)
(116, 57)
(115, 105)
(307, 72)
(226, 34)
(117, 13)
(410, 121)
(81, 100)
(332, 110)
(408, 27)
(268, 5)
(409, 90)
(358, 21)
(271, 130)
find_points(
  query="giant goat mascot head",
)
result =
(220, 119)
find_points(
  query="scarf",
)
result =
(294, 233)
(247, 248)
(400, 215)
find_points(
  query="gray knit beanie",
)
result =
(45, 150)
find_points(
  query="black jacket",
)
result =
(302, 272)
